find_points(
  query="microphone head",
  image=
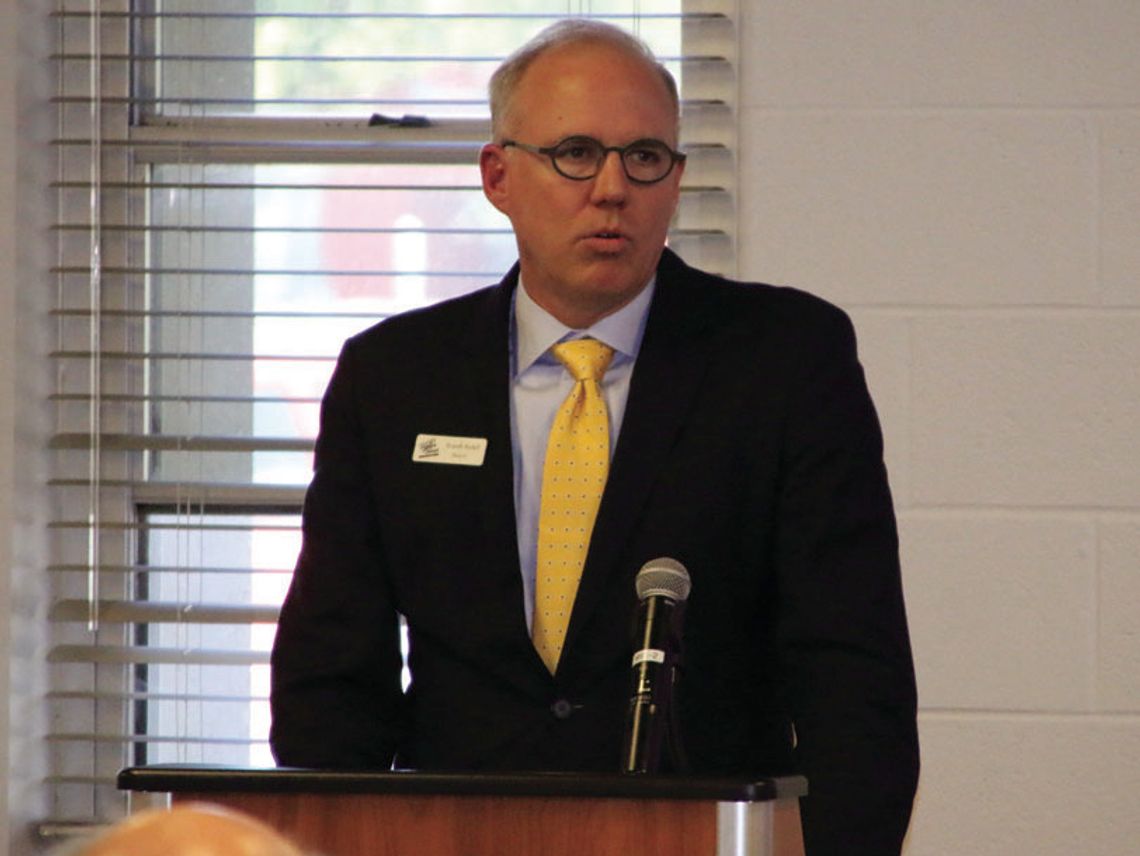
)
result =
(663, 578)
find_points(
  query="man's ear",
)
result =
(493, 167)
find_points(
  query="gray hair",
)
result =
(570, 31)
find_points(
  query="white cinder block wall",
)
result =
(964, 177)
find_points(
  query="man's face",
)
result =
(586, 248)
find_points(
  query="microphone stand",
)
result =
(654, 722)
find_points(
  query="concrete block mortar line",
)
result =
(934, 110)
(1015, 311)
(1052, 717)
(1075, 513)
(1095, 138)
(1095, 628)
(909, 411)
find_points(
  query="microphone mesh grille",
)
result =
(663, 578)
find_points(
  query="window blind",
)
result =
(242, 185)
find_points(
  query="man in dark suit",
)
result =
(744, 445)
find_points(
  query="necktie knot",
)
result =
(585, 359)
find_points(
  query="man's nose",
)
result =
(611, 183)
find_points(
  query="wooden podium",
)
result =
(494, 814)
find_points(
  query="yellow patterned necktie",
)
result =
(573, 476)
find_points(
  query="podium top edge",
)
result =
(202, 779)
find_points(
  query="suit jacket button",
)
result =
(562, 709)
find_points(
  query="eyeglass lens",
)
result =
(582, 157)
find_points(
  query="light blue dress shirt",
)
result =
(540, 383)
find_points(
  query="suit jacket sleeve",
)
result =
(842, 629)
(336, 697)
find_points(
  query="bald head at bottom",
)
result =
(195, 829)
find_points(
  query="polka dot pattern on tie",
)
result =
(573, 476)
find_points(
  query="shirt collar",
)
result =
(536, 329)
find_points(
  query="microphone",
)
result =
(662, 587)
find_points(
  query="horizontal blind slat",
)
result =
(151, 612)
(416, 59)
(151, 739)
(125, 655)
(150, 270)
(188, 521)
(156, 442)
(161, 356)
(65, 695)
(187, 569)
(172, 15)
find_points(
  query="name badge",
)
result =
(440, 449)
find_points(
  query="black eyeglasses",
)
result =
(580, 158)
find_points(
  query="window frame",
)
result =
(100, 616)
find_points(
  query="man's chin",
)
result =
(613, 276)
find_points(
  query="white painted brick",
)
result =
(1047, 786)
(1001, 611)
(1035, 410)
(917, 209)
(827, 52)
(884, 351)
(1120, 217)
(935, 52)
(1118, 675)
(1047, 52)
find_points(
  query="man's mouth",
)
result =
(607, 243)
(607, 239)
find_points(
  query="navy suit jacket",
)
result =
(750, 451)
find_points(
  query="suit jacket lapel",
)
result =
(484, 367)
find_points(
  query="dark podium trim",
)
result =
(392, 813)
(200, 779)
